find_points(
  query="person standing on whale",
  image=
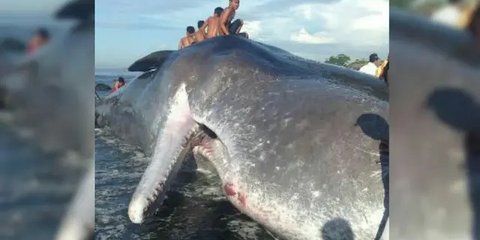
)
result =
(227, 27)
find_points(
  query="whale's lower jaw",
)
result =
(147, 198)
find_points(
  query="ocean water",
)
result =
(35, 188)
(108, 76)
(196, 207)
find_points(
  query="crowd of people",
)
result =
(219, 24)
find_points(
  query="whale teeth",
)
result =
(185, 142)
(150, 199)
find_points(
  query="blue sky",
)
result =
(316, 29)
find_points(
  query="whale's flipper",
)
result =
(151, 61)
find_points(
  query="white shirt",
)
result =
(370, 68)
(449, 15)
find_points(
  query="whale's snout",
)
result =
(137, 209)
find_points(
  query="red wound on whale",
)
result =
(229, 189)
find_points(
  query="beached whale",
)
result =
(435, 118)
(298, 145)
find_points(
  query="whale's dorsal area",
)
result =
(150, 62)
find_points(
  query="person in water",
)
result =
(228, 27)
(41, 38)
(213, 24)
(118, 84)
(189, 39)
(200, 34)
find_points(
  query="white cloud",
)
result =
(252, 27)
(304, 10)
(372, 22)
(330, 19)
(351, 23)
(374, 5)
(303, 36)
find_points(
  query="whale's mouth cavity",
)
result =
(204, 147)
(180, 137)
(208, 132)
(152, 190)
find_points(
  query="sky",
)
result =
(28, 12)
(42, 8)
(316, 29)
(21, 18)
(127, 30)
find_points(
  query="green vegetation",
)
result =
(340, 60)
(345, 61)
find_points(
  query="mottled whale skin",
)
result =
(295, 142)
(435, 118)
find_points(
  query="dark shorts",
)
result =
(234, 26)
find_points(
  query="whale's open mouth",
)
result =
(179, 137)
(150, 194)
